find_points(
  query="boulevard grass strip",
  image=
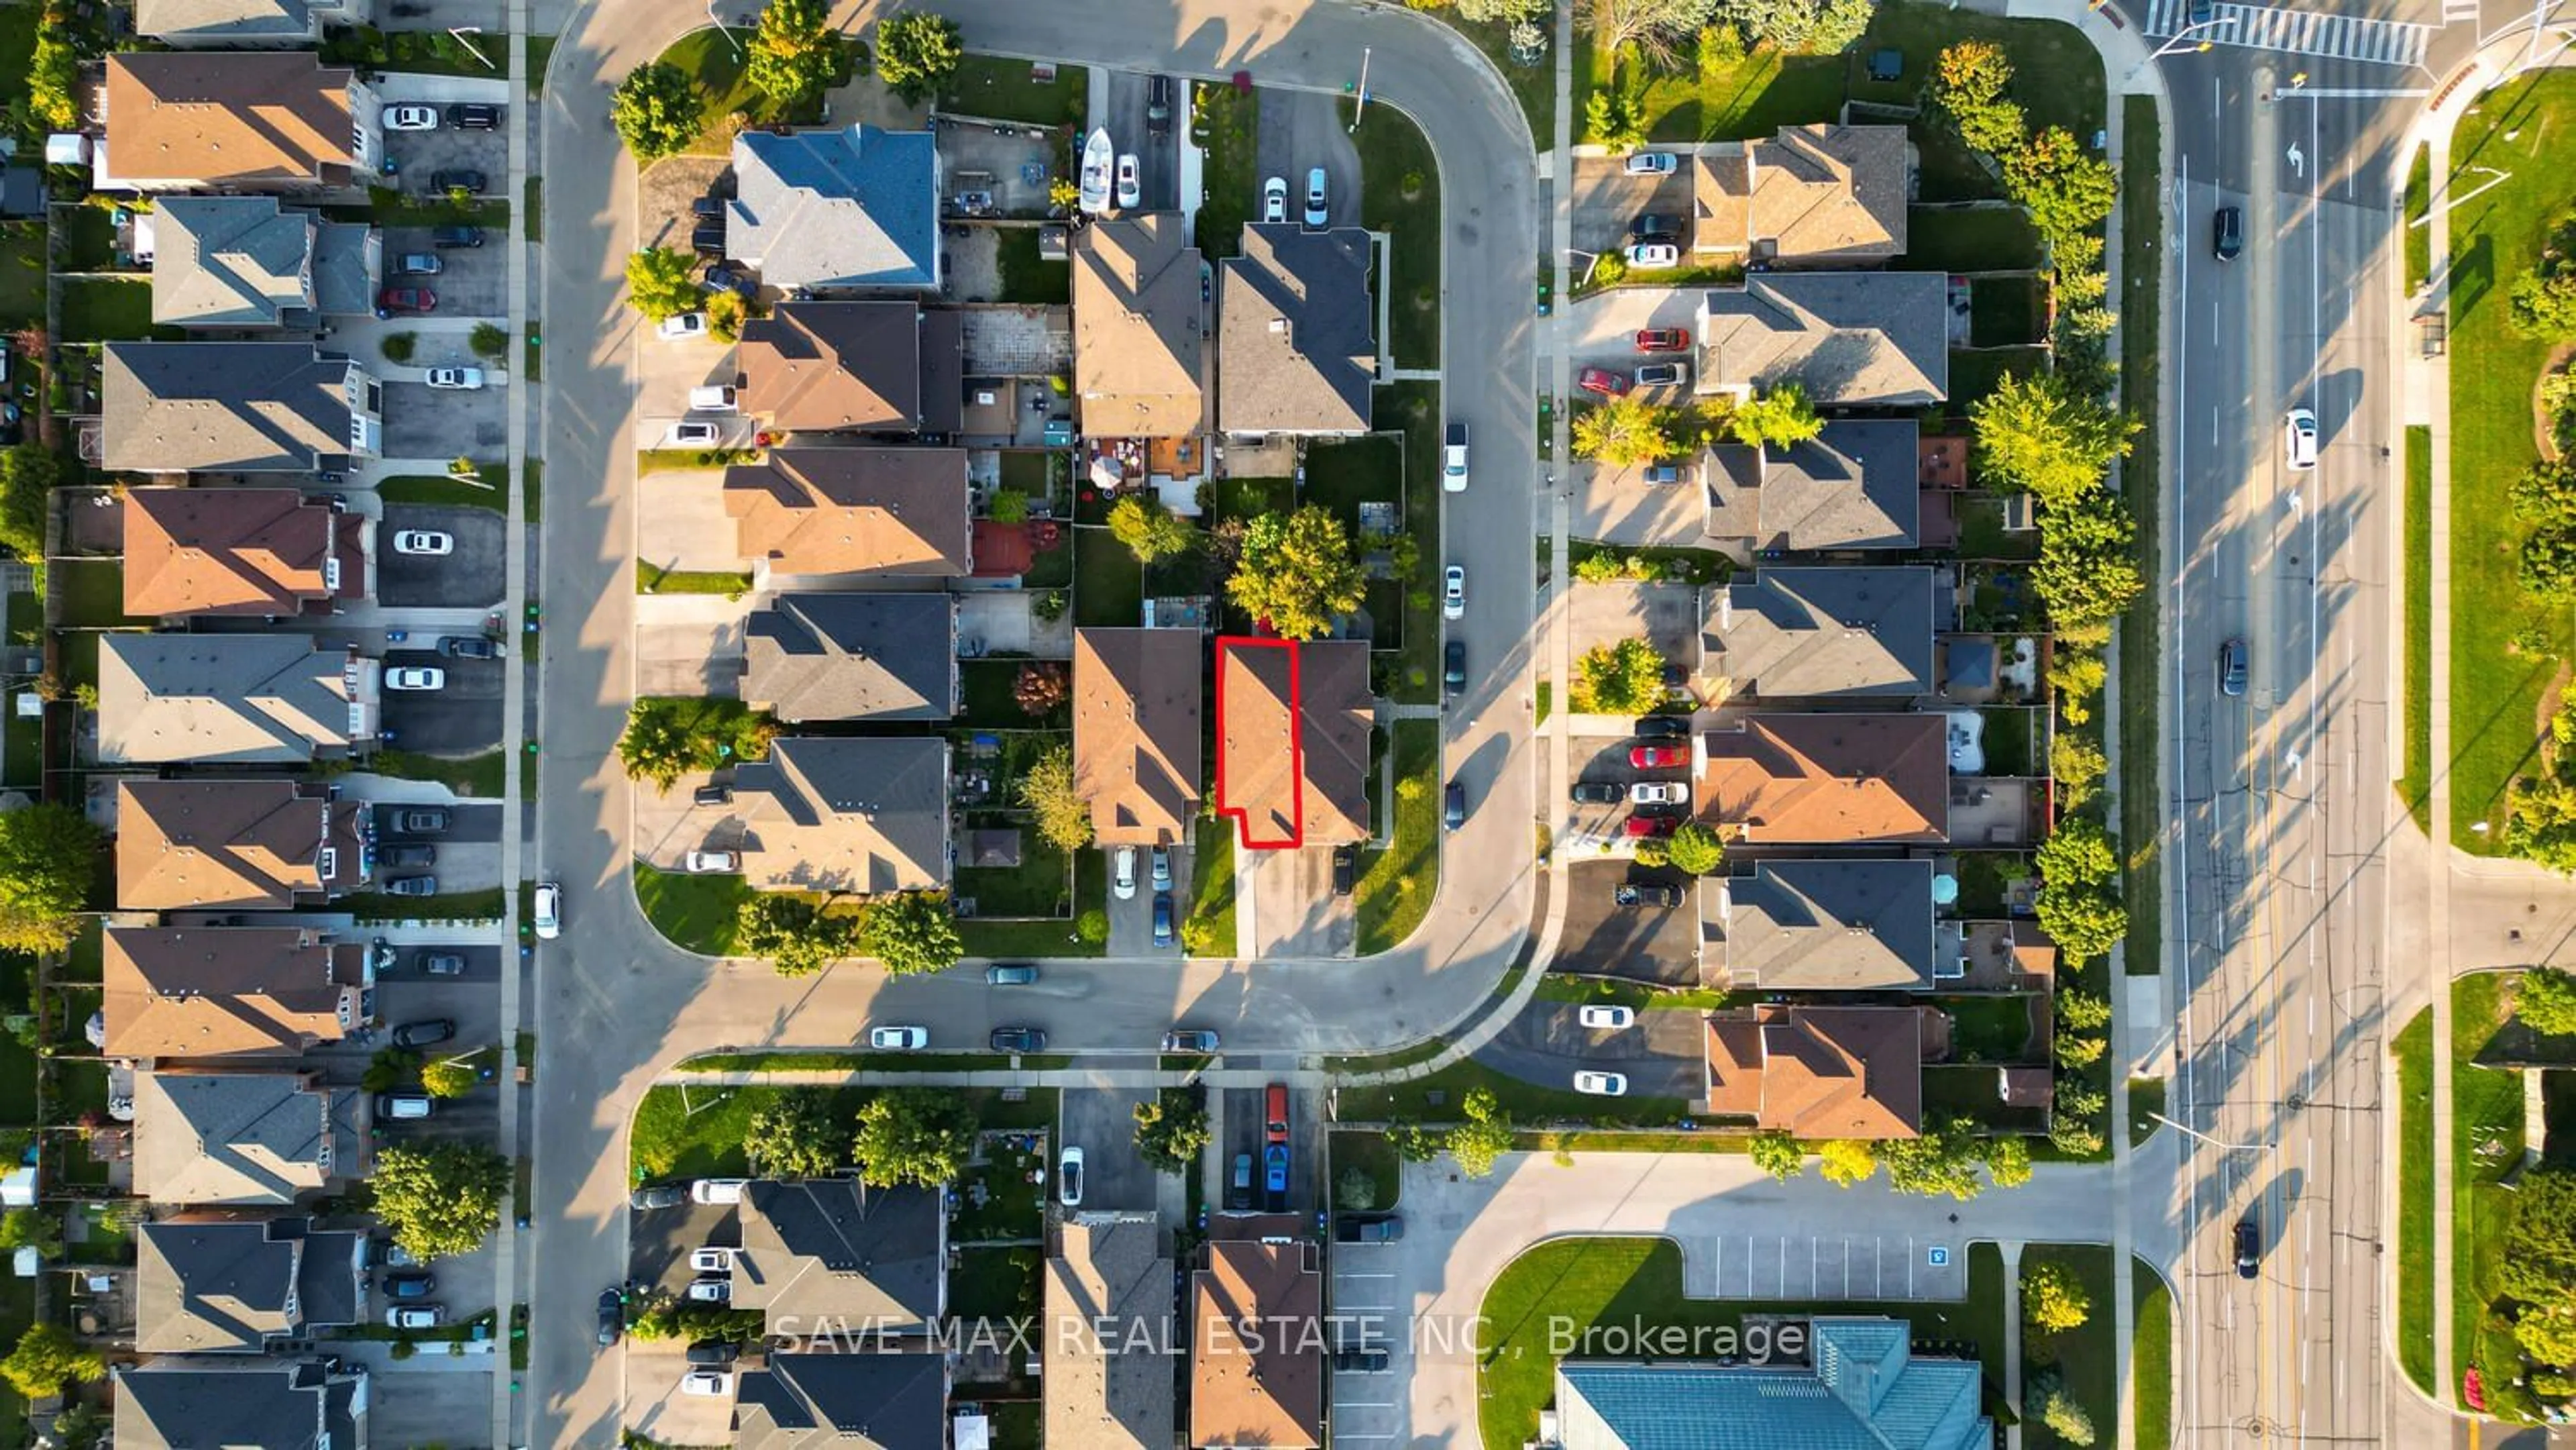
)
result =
(1371, 1157)
(540, 50)
(1528, 1104)
(997, 88)
(1583, 1290)
(2087, 1355)
(2415, 1166)
(1533, 85)
(1209, 929)
(473, 776)
(1415, 408)
(2416, 788)
(1558, 987)
(2151, 1358)
(995, 937)
(445, 491)
(447, 906)
(2497, 685)
(2146, 1103)
(2486, 1107)
(2419, 206)
(695, 1130)
(654, 579)
(1397, 884)
(836, 1061)
(1400, 195)
(2140, 659)
(696, 913)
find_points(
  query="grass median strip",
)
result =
(1397, 884)
(2140, 662)
(2415, 1164)
(2416, 789)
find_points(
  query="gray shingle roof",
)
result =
(1827, 926)
(852, 207)
(853, 657)
(1854, 339)
(1853, 487)
(1864, 1391)
(189, 1404)
(862, 815)
(226, 1137)
(231, 261)
(861, 1401)
(1108, 1297)
(230, 699)
(174, 407)
(1296, 330)
(836, 1248)
(231, 1285)
(1788, 634)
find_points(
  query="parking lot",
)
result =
(470, 577)
(1662, 1056)
(1368, 1405)
(1607, 201)
(1102, 1123)
(462, 717)
(1650, 944)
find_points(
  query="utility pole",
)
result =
(1361, 109)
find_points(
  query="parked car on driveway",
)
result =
(1019, 1039)
(1661, 727)
(423, 541)
(410, 1284)
(405, 856)
(657, 1195)
(1636, 894)
(707, 1383)
(1598, 793)
(443, 964)
(469, 647)
(456, 236)
(1663, 339)
(682, 327)
(1131, 186)
(1658, 757)
(1368, 1228)
(394, 301)
(1603, 382)
(1659, 793)
(418, 264)
(712, 862)
(414, 1316)
(420, 820)
(1068, 1178)
(1602, 1084)
(455, 379)
(1604, 1017)
(474, 116)
(416, 677)
(1317, 214)
(425, 1034)
(686, 434)
(1666, 474)
(412, 886)
(1650, 163)
(1274, 199)
(1162, 918)
(711, 1290)
(411, 118)
(1653, 256)
(1122, 872)
(718, 1190)
(1664, 375)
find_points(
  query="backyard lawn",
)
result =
(1987, 1029)
(2003, 311)
(697, 913)
(109, 309)
(1970, 239)
(22, 260)
(1108, 583)
(1028, 277)
(93, 593)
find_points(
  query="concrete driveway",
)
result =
(432, 1398)
(1667, 615)
(684, 524)
(1650, 944)
(1131, 922)
(468, 578)
(426, 422)
(465, 825)
(1102, 1123)
(1301, 130)
(1662, 1056)
(1294, 910)
(1615, 505)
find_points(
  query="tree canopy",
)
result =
(1847, 1161)
(48, 853)
(1778, 1154)
(1625, 678)
(1695, 847)
(1777, 419)
(2038, 434)
(798, 936)
(655, 111)
(1968, 81)
(660, 283)
(440, 1199)
(796, 1135)
(28, 473)
(911, 932)
(1149, 530)
(795, 54)
(446, 1079)
(1171, 1130)
(46, 1357)
(2064, 186)
(1299, 572)
(916, 51)
(668, 735)
(1939, 1161)
(2546, 1001)
(913, 1135)
(1047, 789)
(1483, 1135)
(2053, 1298)
(1801, 27)
(1626, 431)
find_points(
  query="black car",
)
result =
(407, 856)
(474, 116)
(468, 647)
(708, 241)
(1346, 868)
(709, 207)
(1454, 657)
(1634, 894)
(1598, 793)
(657, 1195)
(2231, 667)
(420, 820)
(1018, 1039)
(443, 964)
(714, 1351)
(412, 886)
(1663, 727)
(713, 795)
(1158, 105)
(2227, 233)
(2249, 1249)
(732, 277)
(455, 177)
(1654, 226)
(424, 1034)
(410, 1284)
(1368, 1228)
(456, 236)
(1453, 806)
(1360, 1361)
(612, 1315)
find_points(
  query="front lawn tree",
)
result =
(2053, 1299)
(1625, 431)
(1846, 1161)
(1149, 530)
(1484, 1136)
(1615, 118)
(440, 1199)
(913, 1135)
(1299, 572)
(47, 853)
(797, 936)
(1626, 678)
(1655, 29)
(1172, 1130)
(1696, 848)
(1968, 81)
(1940, 1161)
(795, 54)
(655, 111)
(911, 932)
(795, 1135)
(2066, 188)
(916, 52)
(660, 283)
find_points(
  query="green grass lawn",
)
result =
(93, 593)
(1534, 86)
(994, 937)
(697, 913)
(2146, 1102)
(540, 50)
(2003, 311)
(2497, 689)
(2486, 1107)
(1397, 884)
(1975, 374)
(445, 490)
(2057, 77)
(2419, 234)
(109, 309)
(1371, 1156)
(1565, 1286)
(2151, 1358)
(1527, 1103)
(2416, 788)
(1108, 583)
(473, 775)
(1980, 239)
(1415, 408)
(22, 262)
(994, 1284)
(80, 1086)
(1225, 124)
(1400, 195)
(1041, 885)
(1341, 474)
(1987, 1029)
(1722, 99)
(1000, 89)
(1028, 277)
(687, 1130)
(714, 60)
(2141, 282)
(991, 700)
(2008, 740)
(1211, 904)
(654, 579)
(2087, 1354)
(2414, 1162)
(88, 232)
(447, 905)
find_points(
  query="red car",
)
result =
(406, 299)
(1652, 825)
(1652, 757)
(1663, 339)
(1603, 381)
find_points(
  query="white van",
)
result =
(712, 398)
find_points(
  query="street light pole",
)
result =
(2204, 1137)
(1361, 109)
(724, 29)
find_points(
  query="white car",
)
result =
(2299, 439)
(416, 677)
(1068, 1178)
(1453, 459)
(1654, 256)
(707, 1382)
(711, 1260)
(1602, 1084)
(411, 118)
(703, 862)
(1659, 793)
(693, 435)
(414, 1316)
(1453, 592)
(1316, 213)
(549, 910)
(1274, 199)
(463, 378)
(423, 541)
(1122, 872)
(1606, 1019)
(898, 1039)
(1131, 186)
(1650, 163)
(718, 1190)
(683, 327)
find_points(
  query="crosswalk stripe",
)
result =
(2321, 34)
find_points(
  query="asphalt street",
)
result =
(615, 1003)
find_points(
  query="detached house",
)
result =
(1108, 1318)
(865, 815)
(825, 1251)
(1826, 779)
(246, 262)
(274, 1403)
(831, 515)
(255, 552)
(1820, 1072)
(269, 845)
(853, 657)
(241, 1285)
(236, 407)
(862, 1400)
(1292, 727)
(1824, 194)
(1296, 333)
(1852, 339)
(1820, 926)
(1821, 633)
(229, 993)
(244, 24)
(1856, 485)
(208, 120)
(856, 207)
(1138, 344)
(233, 699)
(243, 1136)
(1256, 1346)
(854, 367)
(1136, 732)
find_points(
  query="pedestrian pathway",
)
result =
(2301, 32)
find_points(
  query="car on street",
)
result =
(898, 1039)
(1453, 806)
(1010, 974)
(456, 236)
(1640, 828)
(1274, 200)
(1453, 459)
(443, 964)
(469, 647)
(1162, 918)
(1317, 214)
(1664, 375)
(420, 820)
(658, 1195)
(1602, 381)
(1122, 872)
(718, 1190)
(403, 1108)
(549, 910)
(681, 327)
(2299, 439)
(427, 1033)
(709, 1259)
(1653, 256)
(411, 118)
(1131, 185)
(1598, 793)
(1650, 163)
(1019, 1039)
(412, 886)
(711, 1290)
(1631, 893)
(1360, 1361)
(456, 379)
(1160, 860)
(2249, 1248)
(1346, 868)
(711, 862)
(1602, 1017)
(612, 1314)
(1659, 793)
(1368, 1228)
(1453, 592)
(416, 677)
(1158, 106)
(688, 434)
(1658, 757)
(418, 264)
(407, 856)
(714, 1351)
(1189, 1039)
(1068, 1178)
(474, 116)
(1663, 339)
(1601, 1084)
(414, 1316)
(423, 541)
(2231, 667)
(461, 178)
(1661, 474)
(396, 300)
(2227, 233)
(1453, 665)
(707, 1383)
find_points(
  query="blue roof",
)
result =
(1864, 1392)
(856, 207)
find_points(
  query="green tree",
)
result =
(1802, 27)
(2078, 765)
(1613, 117)
(1968, 81)
(2085, 572)
(1354, 1191)
(2546, 1001)
(659, 283)
(795, 1135)
(795, 54)
(797, 936)
(2542, 302)
(2007, 1160)
(2540, 824)
(1009, 506)
(1483, 1137)
(1172, 1130)
(2038, 434)
(1939, 1161)
(2539, 1261)
(1047, 789)
(1778, 1154)
(1625, 431)
(726, 312)
(1299, 571)
(915, 52)
(1777, 419)
(655, 111)
(2077, 1050)
(2065, 188)
(2053, 1299)
(1492, 12)
(1846, 1161)
(914, 1135)
(2066, 1418)
(1696, 848)
(28, 473)
(447, 1079)
(2547, 1332)
(667, 735)
(489, 340)
(911, 932)
(440, 1198)
(2079, 906)
(47, 856)
(1626, 678)
(46, 1357)
(1412, 1142)
(32, 1228)
(1149, 530)
(2082, 1011)
(53, 79)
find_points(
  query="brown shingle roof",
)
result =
(1293, 724)
(1136, 732)
(1264, 1387)
(1828, 779)
(1109, 1308)
(213, 992)
(1812, 193)
(247, 551)
(261, 120)
(815, 511)
(1819, 1072)
(1137, 348)
(863, 814)
(863, 366)
(255, 843)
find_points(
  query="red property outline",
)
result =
(1296, 743)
